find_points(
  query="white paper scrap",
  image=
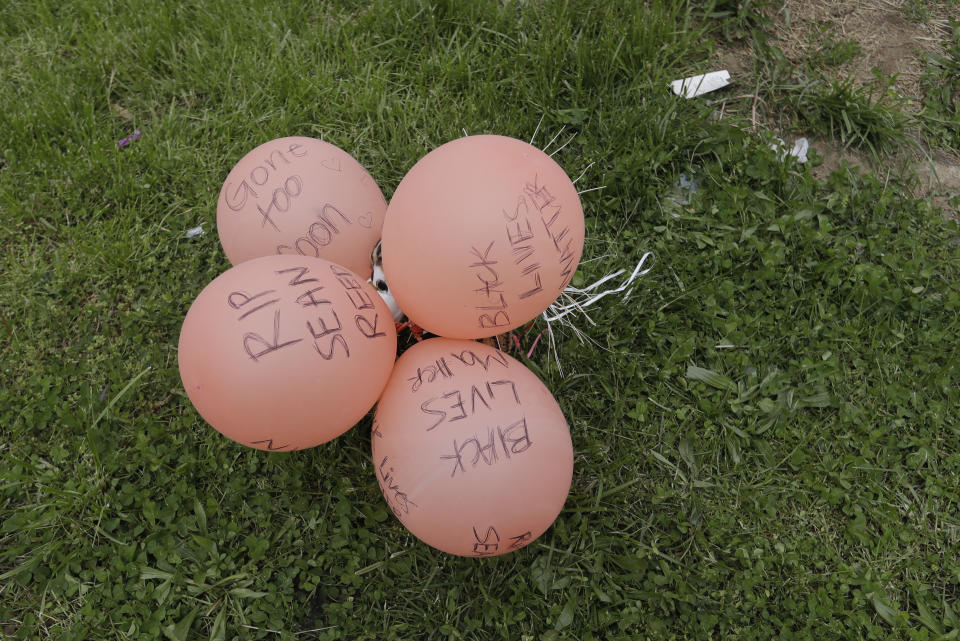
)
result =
(799, 151)
(704, 83)
(800, 148)
(194, 231)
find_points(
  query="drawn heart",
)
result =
(333, 164)
(366, 220)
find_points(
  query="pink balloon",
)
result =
(301, 196)
(481, 236)
(471, 450)
(283, 353)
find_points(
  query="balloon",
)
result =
(283, 353)
(481, 236)
(301, 196)
(471, 450)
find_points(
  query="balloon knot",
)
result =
(415, 329)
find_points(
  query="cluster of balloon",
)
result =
(291, 346)
(471, 451)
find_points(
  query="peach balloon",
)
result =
(301, 196)
(471, 450)
(283, 353)
(481, 236)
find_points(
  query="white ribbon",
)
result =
(584, 297)
(576, 294)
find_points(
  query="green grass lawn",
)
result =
(766, 437)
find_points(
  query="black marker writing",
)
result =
(236, 300)
(519, 233)
(280, 200)
(488, 545)
(309, 299)
(397, 499)
(270, 446)
(429, 373)
(550, 218)
(517, 542)
(322, 324)
(333, 164)
(359, 296)
(513, 439)
(251, 340)
(238, 198)
(492, 299)
(319, 234)
(367, 328)
(235, 195)
(470, 358)
(330, 326)
(299, 278)
(336, 340)
(474, 397)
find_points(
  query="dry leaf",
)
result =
(121, 112)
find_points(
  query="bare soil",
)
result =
(893, 37)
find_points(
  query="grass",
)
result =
(940, 117)
(767, 445)
(869, 116)
(832, 52)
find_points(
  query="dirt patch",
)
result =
(737, 60)
(857, 39)
(835, 157)
(877, 33)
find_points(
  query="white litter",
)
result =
(799, 151)
(685, 187)
(698, 85)
(193, 232)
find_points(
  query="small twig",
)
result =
(753, 109)
(165, 399)
(118, 396)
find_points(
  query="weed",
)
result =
(833, 52)
(941, 101)
(869, 116)
(736, 19)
